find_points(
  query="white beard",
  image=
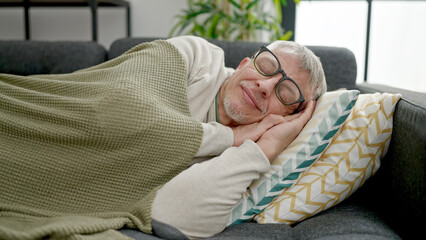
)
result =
(233, 111)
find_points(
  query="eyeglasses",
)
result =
(286, 90)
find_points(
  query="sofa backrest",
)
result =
(339, 63)
(43, 57)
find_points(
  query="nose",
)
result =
(266, 86)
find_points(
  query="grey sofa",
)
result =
(396, 194)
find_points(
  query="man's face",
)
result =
(247, 96)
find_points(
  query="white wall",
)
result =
(149, 18)
(397, 44)
(397, 37)
(341, 24)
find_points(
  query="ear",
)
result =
(243, 63)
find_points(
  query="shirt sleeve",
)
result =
(216, 139)
(209, 190)
(205, 63)
(204, 60)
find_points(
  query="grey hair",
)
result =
(308, 61)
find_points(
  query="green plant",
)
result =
(231, 20)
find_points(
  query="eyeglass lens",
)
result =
(267, 65)
(288, 91)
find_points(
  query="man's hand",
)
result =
(255, 130)
(278, 137)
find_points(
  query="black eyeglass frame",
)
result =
(279, 70)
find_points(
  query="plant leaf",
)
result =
(277, 4)
(250, 5)
(287, 35)
(235, 4)
(211, 32)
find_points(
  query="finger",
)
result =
(308, 111)
(311, 107)
(293, 116)
(311, 104)
(271, 120)
(303, 116)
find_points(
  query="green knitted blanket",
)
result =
(82, 154)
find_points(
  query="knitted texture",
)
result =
(84, 153)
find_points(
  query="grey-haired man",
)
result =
(249, 115)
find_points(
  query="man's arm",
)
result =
(216, 139)
(273, 134)
(199, 200)
(255, 130)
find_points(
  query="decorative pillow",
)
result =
(352, 157)
(331, 111)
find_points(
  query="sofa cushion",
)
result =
(339, 63)
(120, 46)
(347, 221)
(43, 57)
(351, 158)
(339, 66)
(235, 51)
(330, 113)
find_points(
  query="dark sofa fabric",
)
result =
(391, 205)
(346, 221)
(339, 63)
(38, 57)
(399, 186)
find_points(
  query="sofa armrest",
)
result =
(399, 187)
(416, 98)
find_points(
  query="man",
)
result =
(162, 138)
(262, 106)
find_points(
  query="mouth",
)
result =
(248, 97)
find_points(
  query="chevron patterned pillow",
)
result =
(352, 157)
(331, 111)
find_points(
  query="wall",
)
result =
(149, 18)
(397, 37)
